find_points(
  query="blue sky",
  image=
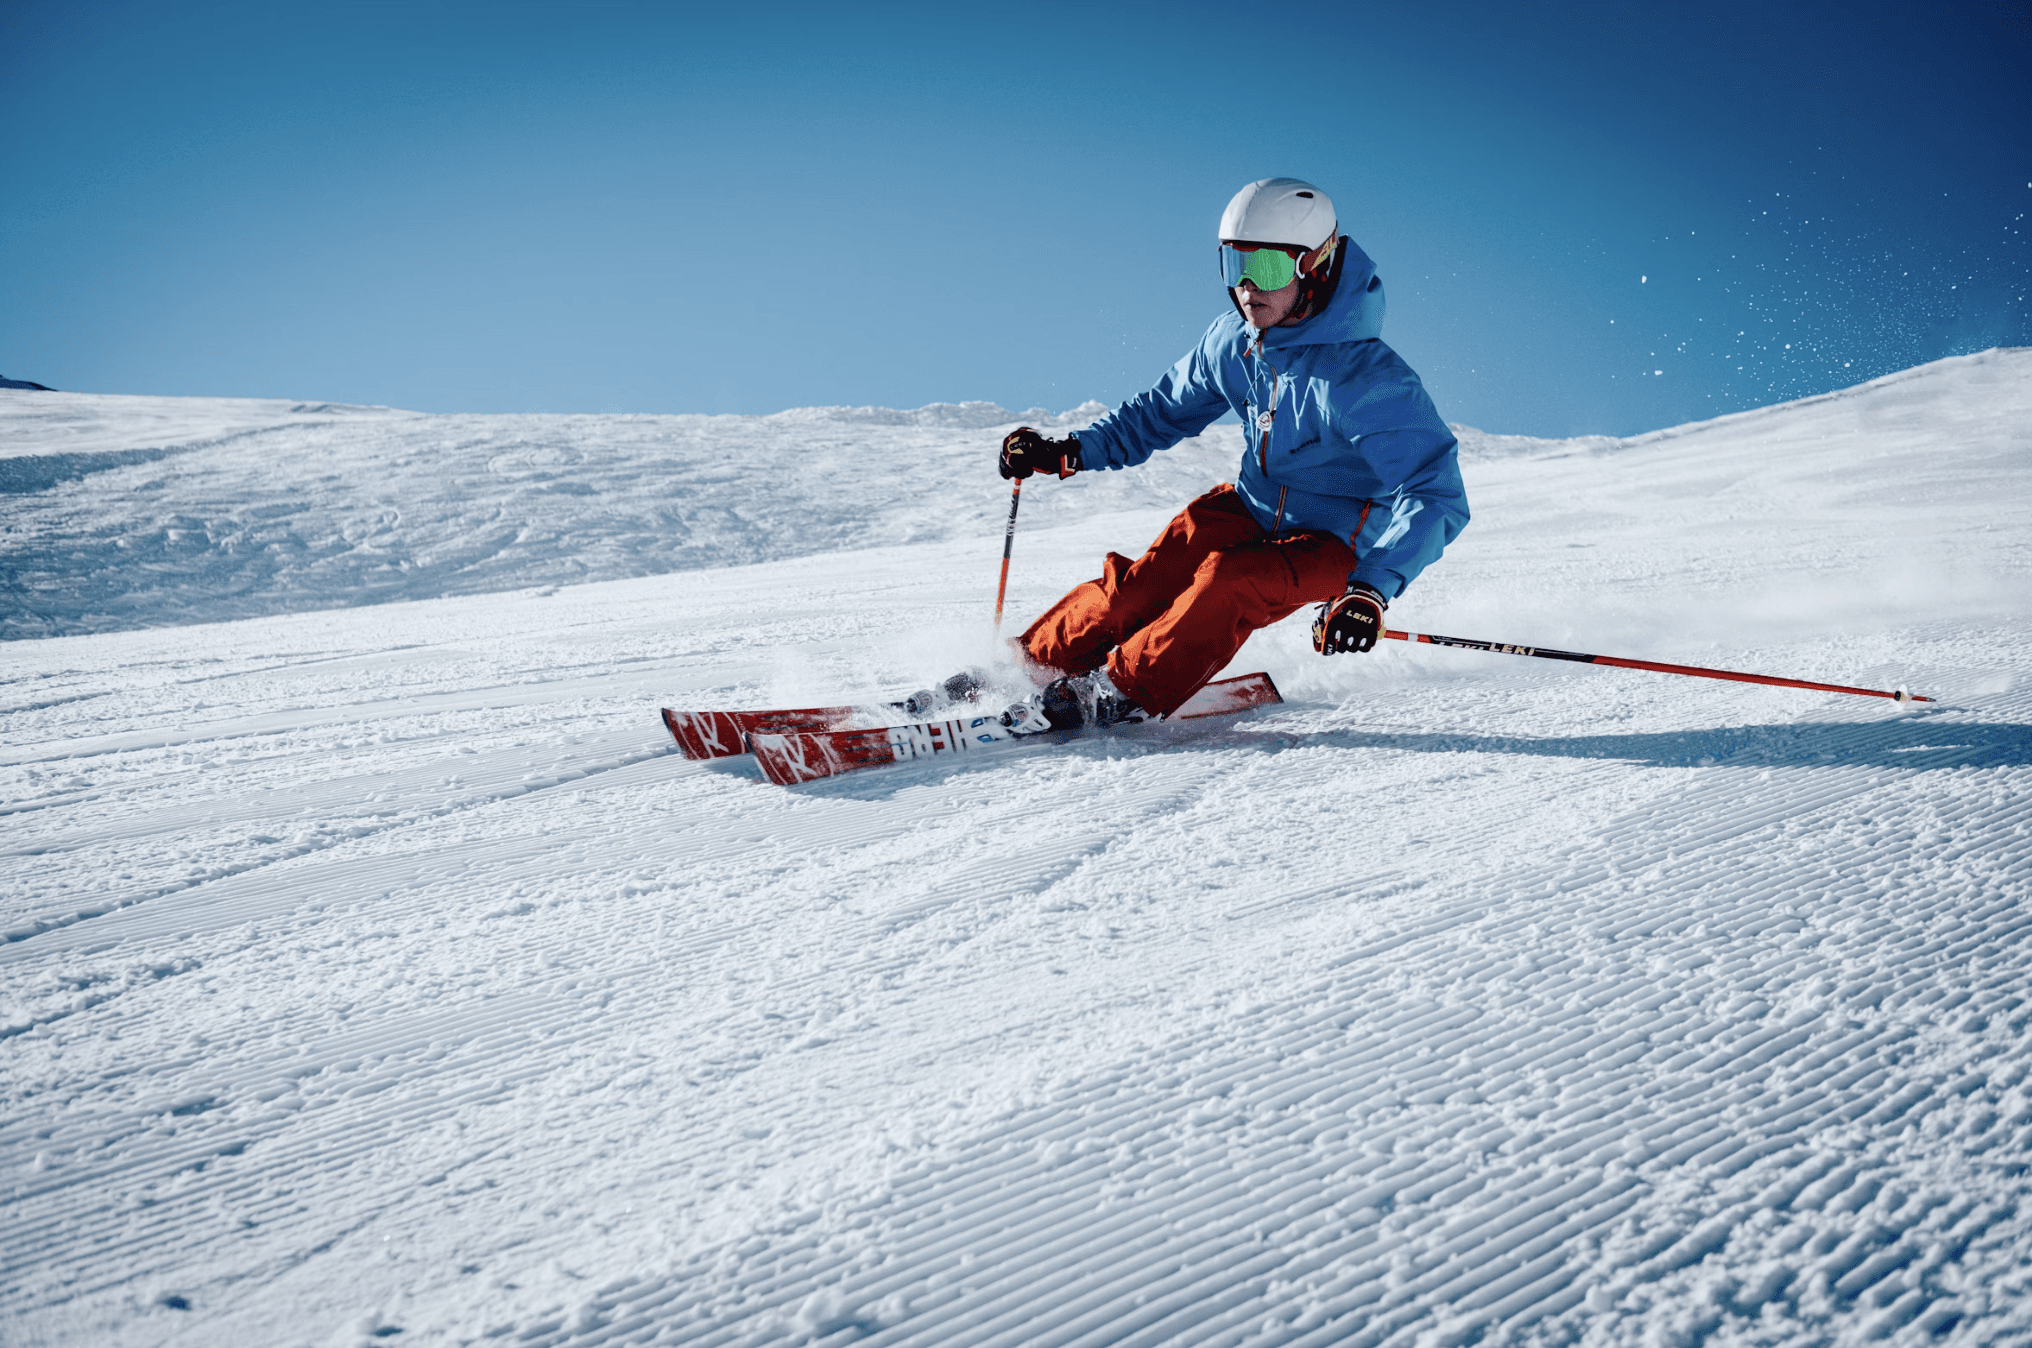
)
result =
(1590, 218)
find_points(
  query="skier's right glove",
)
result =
(1024, 452)
(1353, 622)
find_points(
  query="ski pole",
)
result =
(1008, 542)
(1655, 666)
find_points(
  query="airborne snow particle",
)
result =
(1643, 280)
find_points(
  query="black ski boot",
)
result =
(1066, 704)
(1060, 703)
(1112, 708)
(1057, 707)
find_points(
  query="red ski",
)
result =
(722, 734)
(790, 757)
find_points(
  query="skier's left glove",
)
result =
(1024, 452)
(1353, 622)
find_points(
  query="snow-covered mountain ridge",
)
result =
(378, 974)
(133, 512)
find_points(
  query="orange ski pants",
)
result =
(1173, 618)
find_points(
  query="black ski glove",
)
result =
(1024, 452)
(1353, 622)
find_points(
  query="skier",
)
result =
(1349, 483)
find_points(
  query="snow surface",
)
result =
(380, 974)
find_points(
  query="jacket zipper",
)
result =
(1263, 422)
(1268, 414)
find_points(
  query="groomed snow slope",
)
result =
(380, 975)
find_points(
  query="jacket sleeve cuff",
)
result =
(1096, 450)
(1386, 583)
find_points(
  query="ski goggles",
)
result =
(1267, 266)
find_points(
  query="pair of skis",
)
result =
(812, 742)
(803, 744)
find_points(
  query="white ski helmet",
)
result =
(1279, 210)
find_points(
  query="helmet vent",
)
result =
(1306, 195)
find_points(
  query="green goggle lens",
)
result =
(1264, 268)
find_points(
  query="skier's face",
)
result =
(1265, 308)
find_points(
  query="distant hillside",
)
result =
(141, 511)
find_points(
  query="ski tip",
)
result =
(779, 764)
(706, 734)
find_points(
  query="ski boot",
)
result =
(1056, 708)
(1107, 705)
(1066, 704)
(1113, 708)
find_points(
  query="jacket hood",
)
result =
(1355, 314)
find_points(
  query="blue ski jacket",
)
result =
(1351, 445)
